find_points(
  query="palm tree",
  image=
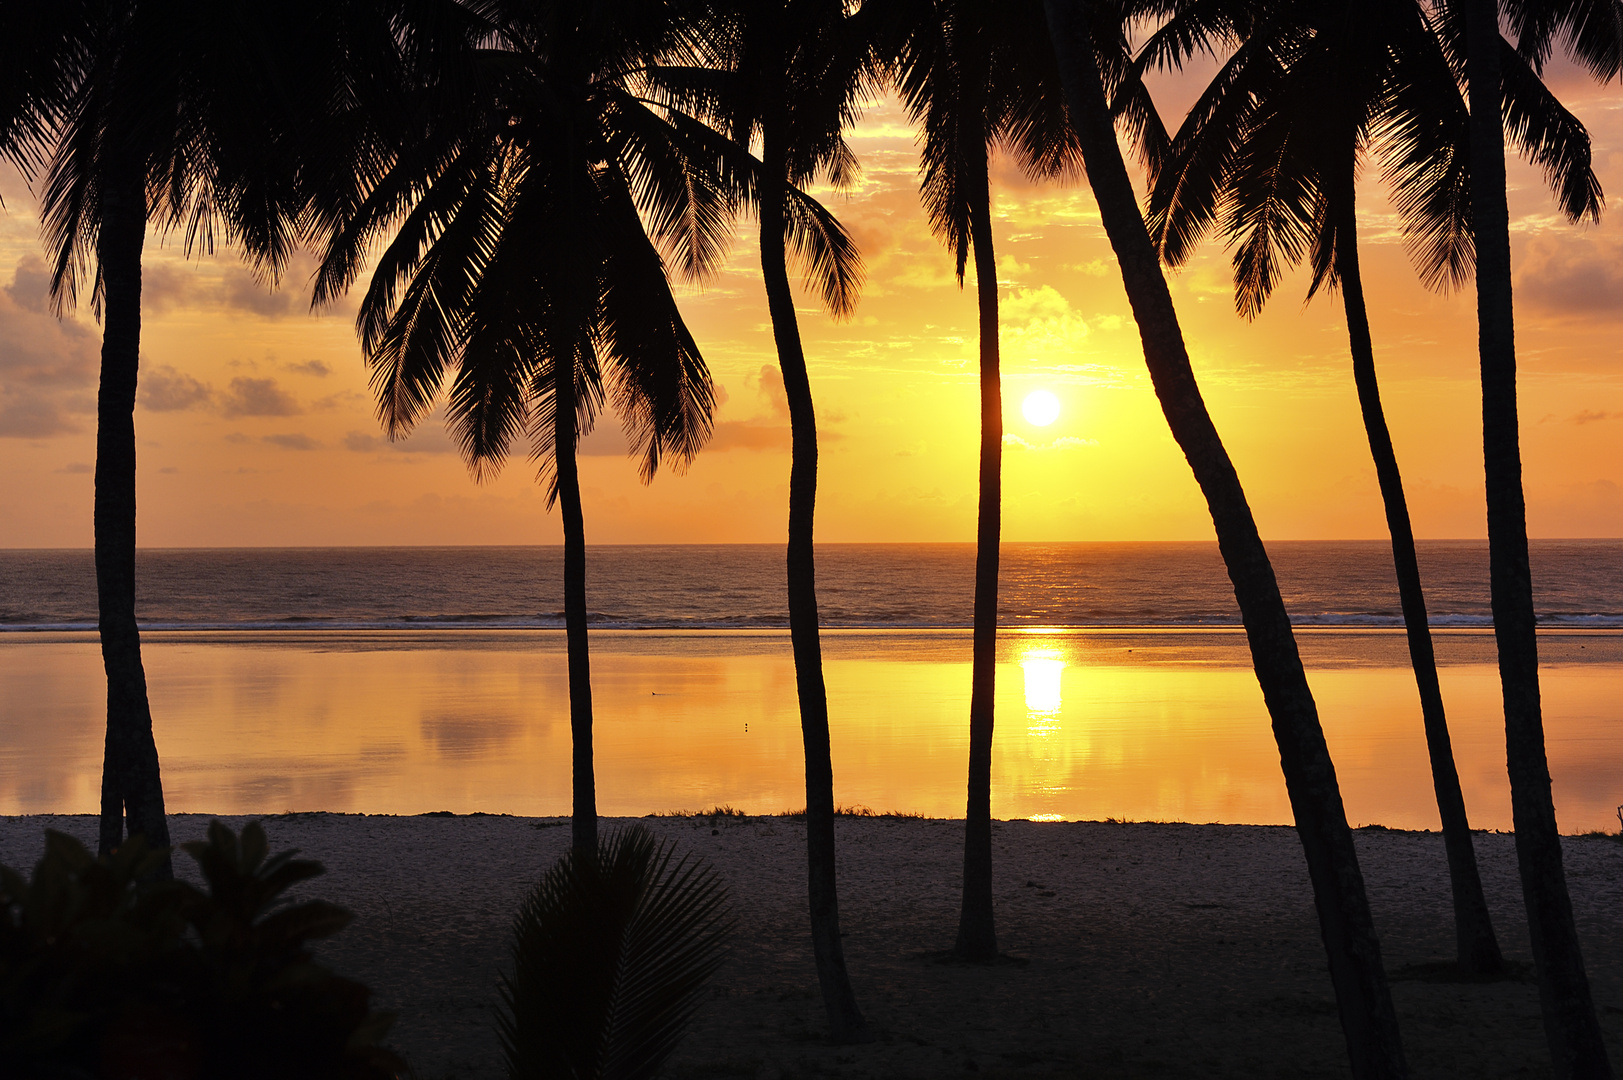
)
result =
(791, 72)
(192, 115)
(1083, 32)
(528, 206)
(1592, 32)
(1272, 149)
(977, 75)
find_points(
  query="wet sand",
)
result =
(1136, 950)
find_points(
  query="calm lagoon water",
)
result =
(1140, 724)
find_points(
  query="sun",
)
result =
(1040, 408)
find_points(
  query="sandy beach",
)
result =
(1137, 950)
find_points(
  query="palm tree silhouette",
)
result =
(977, 75)
(192, 115)
(791, 72)
(1592, 32)
(1082, 33)
(520, 258)
(1272, 150)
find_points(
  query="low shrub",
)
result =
(107, 972)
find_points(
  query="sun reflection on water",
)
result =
(1043, 670)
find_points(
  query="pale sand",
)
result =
(1147, 949)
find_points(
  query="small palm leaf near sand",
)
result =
(610, 958)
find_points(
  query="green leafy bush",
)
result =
(610, 958)
(107, 972)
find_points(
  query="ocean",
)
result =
(411, 680)
(1577, 583)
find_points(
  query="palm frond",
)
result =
(611, 952)
(660, 385)
(1590, 30)
(1550, 137)
(826, 252)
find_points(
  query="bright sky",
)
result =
(255, 424)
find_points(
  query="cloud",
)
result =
(1577, 274)
(1039, 323)
(768, 383)
(163, 286)
(743, 435)
(245, 294)
(30, 285)
(48, 366)
(258, 397)
(420, 441)
(293, 441)
(311, 367)
(77, 468)
(163, 389)
(1589, 416)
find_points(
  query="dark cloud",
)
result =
(1589, 416)
(258, 397)
(311, 367)
(48, 366)
(163, 389)
(293, 441)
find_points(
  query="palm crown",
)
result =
(1273, 143)
(534, 209)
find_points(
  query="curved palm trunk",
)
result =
(131, 787)
(977, 929)
(1477, 947)
(845, 1020)
(1570, 1023)
(1365, 1003)
(583, 824)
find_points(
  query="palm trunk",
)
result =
(131, 787)
(583, 825)
(1365, 1003)
(1477, 947)
(977, 928)
(1570, 1023)
(845, 1020)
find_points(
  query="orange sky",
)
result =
(256, 427)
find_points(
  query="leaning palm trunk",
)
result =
(845, 1020)
(583, 824)
(1570, 1023)
(131, 788)
(1477, 947)
(977, 930)
(1365, 1003)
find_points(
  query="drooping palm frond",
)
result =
(611, 952)
(1550, 137)
(1591, 32)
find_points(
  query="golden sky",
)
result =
(256, 427)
